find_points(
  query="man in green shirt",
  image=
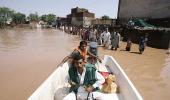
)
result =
(84, 79)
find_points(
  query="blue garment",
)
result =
(142, 44)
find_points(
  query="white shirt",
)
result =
(107, 36)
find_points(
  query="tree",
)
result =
(18, 18)
(105, 17)
(33, 17)
(44, 18)
(50, 18)
(5, 14)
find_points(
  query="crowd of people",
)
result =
(105, 36)
(108, 37)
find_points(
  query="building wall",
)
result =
(87, 21)
(77, 21)
(103, 22)
(156, 10)
(80, 17)
(144, 8)
(81, 21)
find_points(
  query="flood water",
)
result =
(29, 56)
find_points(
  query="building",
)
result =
(62, 21)
(154, 12)
(80, 17)
(152, 9)
(97, 21)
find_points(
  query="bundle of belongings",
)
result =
(109, 86)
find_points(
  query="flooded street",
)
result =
(149, 72)
(28, 57)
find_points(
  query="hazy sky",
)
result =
(62, 7)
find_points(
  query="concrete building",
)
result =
(103, 22)
(155, 12)
(153, 9)
(80, 17)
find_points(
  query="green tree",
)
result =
(51, 18)
(33, 17)
(105, 17)
(18, 18)
(44, 18)
(5, 14)
(48, 18)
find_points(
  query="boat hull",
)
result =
(50, 89)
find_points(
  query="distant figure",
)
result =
(106, 38)
(95, 34)
(129, 43)
(91, 34)
(71, 30)
(98, 35)
(169, 48)
(119, 39)
(102, 37)
(112, 40)
(142, 44)
(115, 39)
(86, 35)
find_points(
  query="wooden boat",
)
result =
(56, 85)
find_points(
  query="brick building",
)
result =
(80, 17)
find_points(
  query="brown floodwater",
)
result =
(29, 56)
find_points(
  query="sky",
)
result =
(62, 7)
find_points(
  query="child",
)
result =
(128, 46)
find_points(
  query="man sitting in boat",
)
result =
(84, 80)
(93, 50)
(81, 50)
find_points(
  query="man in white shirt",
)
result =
(107, 39)
(84, 80)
